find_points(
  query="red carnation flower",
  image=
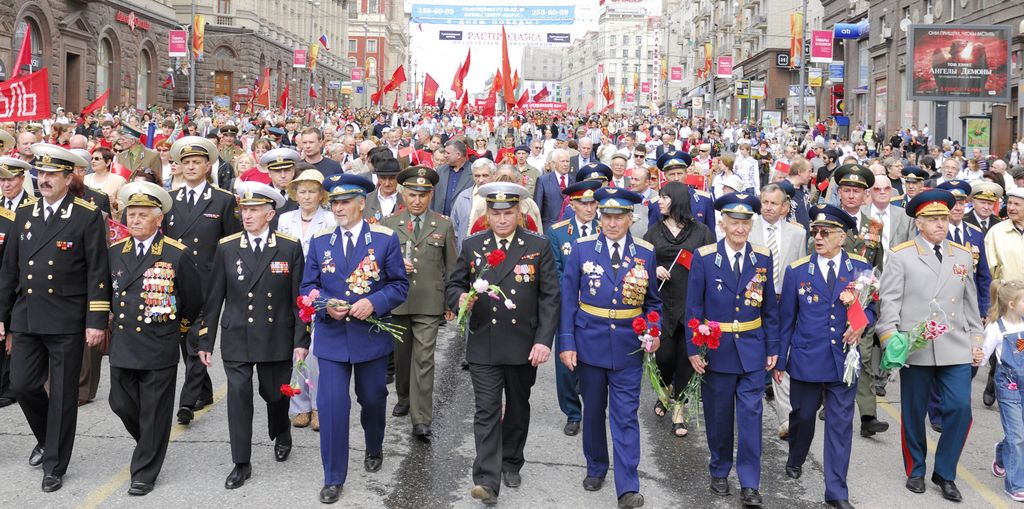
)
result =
(655, 331)
(653, 317)
(287, 390)
(698, 340)
(639, 325)
(693, 323)
(713, 343)
(494, 258)
(306, 315)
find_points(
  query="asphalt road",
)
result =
(673, 471)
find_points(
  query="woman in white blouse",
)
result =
(302, 223)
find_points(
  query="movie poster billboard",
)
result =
(959, 62)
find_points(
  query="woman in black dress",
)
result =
(676, 231)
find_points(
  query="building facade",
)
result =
(378, 42)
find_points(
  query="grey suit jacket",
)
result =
(465, 176)
(793, 248)
(372, 212)
(900, 224)
(915, 287)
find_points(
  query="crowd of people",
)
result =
(330, 247)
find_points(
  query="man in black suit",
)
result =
(455, 176)
(12, 176)
(550, 185)
(157, 293)
(255, 281)
(201, 214)
(984, 195)
(55, 267)
(505, 345)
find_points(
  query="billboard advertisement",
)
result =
(436, 14)
(177, 43)
(821, 46)
(959, 62)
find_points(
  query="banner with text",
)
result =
(959, 62)
(435, 14)
(821, 46)
(676, 74)
(299, 58)
(25, 98)
(177, 43)
(725, 66)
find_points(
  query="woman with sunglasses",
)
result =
(101, 178)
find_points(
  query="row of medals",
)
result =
(359, 280)
(157, 293)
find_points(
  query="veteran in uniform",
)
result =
(812, 303)
(12, 173)
(201, 215)
(428, 242)
(55, 266)
(563, 236)
(255, 282)
(157, 294)
(674, 165)
(608, 282)
(226, 147)
(913, 181)
(280, 164)
(925, 278)
(731, 283)
(505, 345)
(360, 266)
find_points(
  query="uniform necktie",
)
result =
(736, 265)
(773, 246)
(938, 252)
(256, 245)
(10, 204)
(142, 250)
(504, 244)
(191, 197)
(416, 228)
(956, 236)
(831, 274)
(616, 257)
(49, 213)
(561, 182)
(350, 245)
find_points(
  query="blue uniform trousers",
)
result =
(334, 404)
(915, 390)
(567, 387)
(806, 397)
(620, 388)
(730, 397)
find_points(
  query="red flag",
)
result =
(684, 258)
(855, 315)
(463, 103)
(97, 104)
(116, 231)
(312, 92)
(262, 96)
(396, 80)
(460, 75)
(394, 107)
(590, 105)
(607, 90)
(608, 107)
(506, 70)
(488, 110)
(497, 83)
(375, 97)
(282, 101)
(541, 95)
(169, 82)
(515, 80)
(24, 55)
(522, 99)
(429, 91)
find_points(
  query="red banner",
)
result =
(545, 106)
(26, 97)
(299, 58)
(357, 74)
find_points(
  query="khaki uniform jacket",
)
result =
(432, 254)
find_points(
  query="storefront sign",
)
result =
(757, 90)
(959, 62)
(133, 21)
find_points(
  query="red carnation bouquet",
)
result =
(300, 379)
(481, 285)
(648, 332)
(311, 303)
(706, 336)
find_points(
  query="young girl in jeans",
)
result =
(1004, 335)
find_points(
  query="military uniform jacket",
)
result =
(714, 294)
(253, 298)
(812, 318)
(372, 212)
(591, 280)
(862, 242)
(915, 286)
(497, 335)
(432, 254)
(7, 228)
(563, 236)
(154, 299)
(375, 271)
(56, 270)
(974, 241)
(201, 227)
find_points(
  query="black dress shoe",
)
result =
(512, 479)
(185, 415)
(36, 457)
(871, 425)
(988, 398)
(5, 401)
(915, 484)
(52, 483)
(236, 479)
(373, 462)
(949, 490)
(330, 494)
(794, 472)
(140, 489)
(720, 486)
(202, 403)
(400, 410)
(631, 499)
(484, 494)
(572, 428)
(422, 431)
(821, 414)
(840, 504)
(593, 483)
(750, 497)
(283, 446)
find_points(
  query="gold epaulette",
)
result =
(644, 244)
(903, 246)
(561, 224)
(321, 233)
(225, 191)
(86, 204)
(7, 214)
(375, 227)
(229, 238)
(960, 246)
(800, 262)
(285, 236)
(703, 194)
(857, 257)
(708, 249)
(176, 243)
(122, 241)
(588, 238)
(26, 203)
(972, 226)
(761, 250)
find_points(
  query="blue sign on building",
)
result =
(836, 71)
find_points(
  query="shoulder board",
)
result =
(796, 223)
(7, 214)
(229, 238)
(644, 244)
(761, 250)
(377, 228)
(225, 191)
(895, 199)
(960, 246)
(802, 261)
(708, 249)
(175, 243)
(29, 200)
(321, 233)
(588, 238)
(909, 243)
(26, 203)
(972, 226)
(703, 194)
(477, 234)
(285, 236)
(86, 204)
(857, 257)
(561, 224)
(122, 241)
(535, 234)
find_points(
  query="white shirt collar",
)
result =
(876, 211)
(262, 236)
(579, 226)
(198, 189)
(147, 243)
(355, 231)
(387, 200)
(17, 199)
(823, 264)
(622, 245)
(730, 254)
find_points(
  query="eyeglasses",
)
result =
(97, 158)
(823, 232)
(638, 155)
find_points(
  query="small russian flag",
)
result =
(325, 42)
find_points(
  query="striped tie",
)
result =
(773, 246)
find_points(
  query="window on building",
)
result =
(353, 45)
(371, 45)
(104, 64)
(636, 52)
(30, 26)
(223, 6)
(372, 6)
(625, 53)
(142, 80)
(625, 39)
(639, 40)
(352, 9)
(613, 68)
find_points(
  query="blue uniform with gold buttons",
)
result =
(599, 302)
(746, 307)
(375, 271)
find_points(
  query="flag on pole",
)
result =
(24, 55)
(497, 84)
(325, 42)
(312, 92)
(282, 101)
(396, 80)
(590, 105)
(796, 39)
(463, 103)
(606, 90)
(429, 91)
(522, 99)
(541, 95)
(313, 51)
(608, 107)
(460, 75)
(684, 258)
(262, 96)
(169, 82)
(489, 110)
(97, 104)
(506, 70)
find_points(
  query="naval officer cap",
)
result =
(854, 175)
(418, 178)
(594, 171)
(144, 194)
(830, 215)
(251, 193)
(51, 158)
(933, 202)
(83, 154)
(914, 174)
(11, 167)
(960, 188)
(7, 142)
(345, 186)
(985, 190)
(502, 195)
(280, 159)
(674, 158)
(193, 146)
(615, 200)
(582, 191)
(738, 205)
